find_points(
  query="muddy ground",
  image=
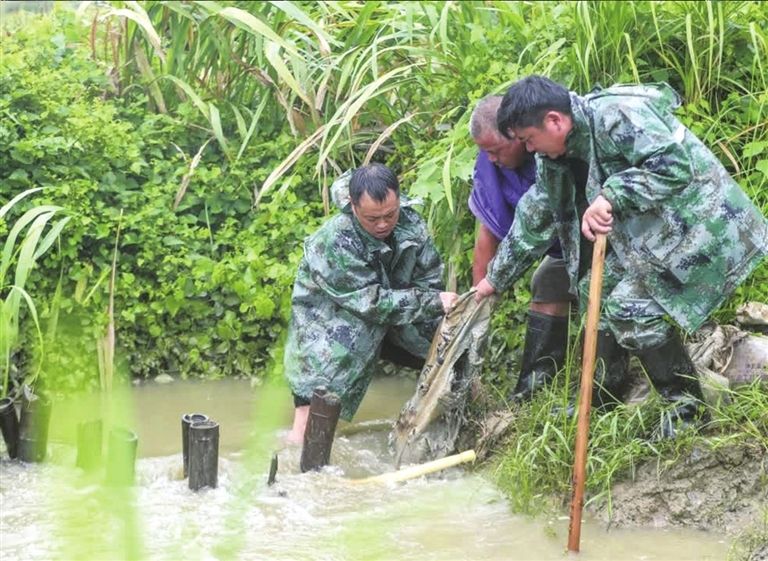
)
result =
(721, 489)
(724, 490)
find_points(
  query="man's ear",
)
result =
(557, 120)
(553, 118)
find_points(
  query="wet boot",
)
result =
(546, 341)
(611, 380)
(673, 375)
(610, 384)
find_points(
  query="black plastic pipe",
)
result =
(33, 426)
(186, 420)
(9, 424)
(89, 444)
(324, 409)
(203, 454)
(121, 457)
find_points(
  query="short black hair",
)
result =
(375, 179)
(528, 100)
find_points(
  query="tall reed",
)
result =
(26, 242)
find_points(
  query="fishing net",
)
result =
(430, 422)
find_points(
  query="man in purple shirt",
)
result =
(503, 172)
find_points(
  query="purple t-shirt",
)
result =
(495, 193)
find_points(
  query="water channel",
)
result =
(53, 511)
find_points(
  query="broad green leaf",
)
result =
(286, 164)
(30, 216)
(754, 148)
(149, 76)
(252, 128)
(246, 21)
(51, 237)
(241, 128)
(7, 206)
(346, 112)
(447, 179)
(215, 120)
(295, 12)
(199, 103)
(139, 16)
(272, 52)
(25, 260)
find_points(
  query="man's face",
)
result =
(378, 218)
(549, 137)
(504, 152)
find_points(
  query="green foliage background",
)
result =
(108, 109)
(203, 290)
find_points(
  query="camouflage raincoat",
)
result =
(684, 233)
(353, 290)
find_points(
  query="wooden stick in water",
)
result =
(585, 396)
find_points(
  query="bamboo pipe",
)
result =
(421, 469)
(585, 396)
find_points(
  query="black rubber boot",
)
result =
(546, 341)
(672, 373)
(611, 380)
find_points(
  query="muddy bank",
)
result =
(719, 490)
(715, 487)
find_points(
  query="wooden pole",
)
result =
(9, 424)
(34, 421)
(585, 396)
(324, 410)
(121, 457)
(187, 420)
(203, 455)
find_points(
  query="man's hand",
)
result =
(597, 219)
(483, 289)
(449, 300)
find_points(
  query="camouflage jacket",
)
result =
(350, 288)
(681, 223)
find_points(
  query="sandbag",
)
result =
(727, 357)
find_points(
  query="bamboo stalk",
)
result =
(585, 396)
(421, 469)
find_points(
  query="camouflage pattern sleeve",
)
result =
(339, 270)
(428, 269)
(530, 236)
(659, 163)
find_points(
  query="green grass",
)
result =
(535, 466)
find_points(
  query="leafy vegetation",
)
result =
(201, 289)
(24, 244)
(161, 163)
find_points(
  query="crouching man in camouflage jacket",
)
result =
(683, 234)
(369, 285)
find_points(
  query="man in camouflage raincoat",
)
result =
(683, 234)
(370, 282)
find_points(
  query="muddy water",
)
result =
(53, 511)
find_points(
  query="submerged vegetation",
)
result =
(215, 129)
